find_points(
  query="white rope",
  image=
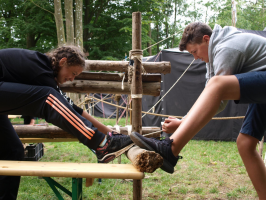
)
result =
(162, 40)
(129, 129)
(122, 86)
(136, 96)
(117, 128)
(170, 88)
(152, 133)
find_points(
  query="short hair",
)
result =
(193, 34)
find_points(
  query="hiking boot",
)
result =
(163, 147)
(116, 145)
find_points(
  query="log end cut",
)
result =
(148, 161)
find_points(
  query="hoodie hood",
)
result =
(220, 35)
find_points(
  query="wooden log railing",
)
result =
(25, 131)
(100, 76)
(163, 67)
(112, 87)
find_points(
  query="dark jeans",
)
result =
(43, 102)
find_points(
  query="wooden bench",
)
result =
(75, 170)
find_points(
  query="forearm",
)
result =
(102, 128)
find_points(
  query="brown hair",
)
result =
(194, 33)
(75, 56)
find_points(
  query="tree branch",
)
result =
(41, 7)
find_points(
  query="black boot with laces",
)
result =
(163, 147)
(116, 145)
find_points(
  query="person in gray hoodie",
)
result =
(236, 64)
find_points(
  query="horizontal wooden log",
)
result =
(100, 76)
(143, 160)
(25, 131)
(122, 66)
(109, 87)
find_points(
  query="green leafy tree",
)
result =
(27, 25)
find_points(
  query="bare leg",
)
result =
(218, 88)
(254, 164)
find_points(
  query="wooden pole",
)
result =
(108, 87)
(137, 189)
(136, 91)
(25, 131)
(143, 160)
(127, 109)
(100, 76)
(163, 67)
(117, 99)
(130, 110)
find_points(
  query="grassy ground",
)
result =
(209, 170)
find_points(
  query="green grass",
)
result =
(209, 170)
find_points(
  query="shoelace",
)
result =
(166, 143)
(163, 140)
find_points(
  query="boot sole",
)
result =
(111, 156)
(167, 167)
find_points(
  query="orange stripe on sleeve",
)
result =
(71, 113)
(71, 122)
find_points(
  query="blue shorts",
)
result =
(253, 92)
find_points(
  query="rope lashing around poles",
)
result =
(169, 88)
(135, 54)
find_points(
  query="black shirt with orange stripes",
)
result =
(29, 67)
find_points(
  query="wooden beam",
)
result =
(163, 67)
(25, 131)
(112, 87)
(136, 88)
(100, 76)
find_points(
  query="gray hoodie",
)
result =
(233, 52)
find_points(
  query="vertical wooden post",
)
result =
(136, 90)
(127, 110)
(117, 99)
(137, 189)
(130, 112)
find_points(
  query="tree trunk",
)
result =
(59, 22)
(78, 24)
(173, 39)
(158, 45)
(149, 34)
(69, 22)
(30, 40)
(86, 34)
